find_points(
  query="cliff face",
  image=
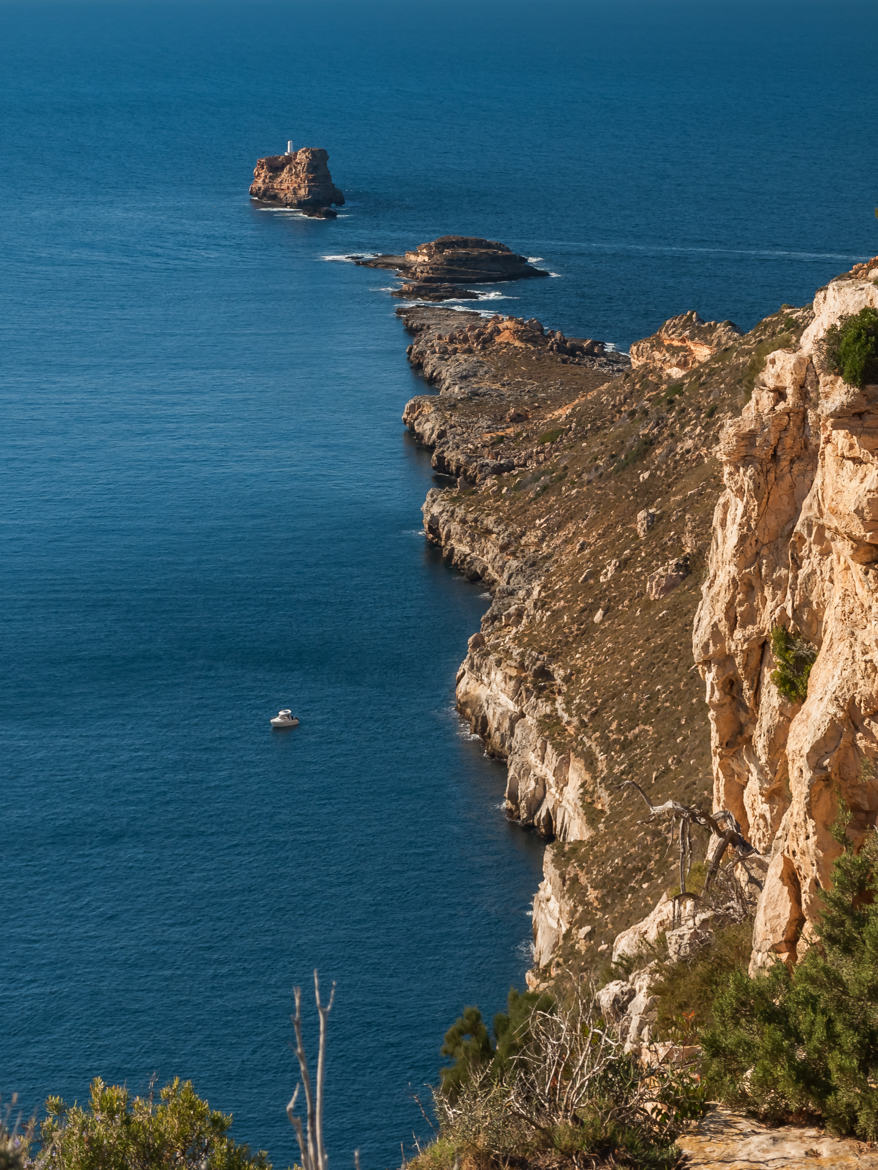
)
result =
(795, 544)
(583, 497)
(300, 180)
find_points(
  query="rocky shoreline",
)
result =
(585, 493)
(559, 508)
(643, 525)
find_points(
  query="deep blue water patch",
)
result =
(209, 508)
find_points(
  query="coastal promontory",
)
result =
(442, 268)
(299, 179)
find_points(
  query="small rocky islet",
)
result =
(298, 180)
(441, 269)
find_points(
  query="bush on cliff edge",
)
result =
(852, 348)
(793, 659)
(790, 1045)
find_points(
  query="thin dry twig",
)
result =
(310, 1137)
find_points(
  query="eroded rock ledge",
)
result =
(441, 269)
(299, 180)
(683, 343)
(727, 1141)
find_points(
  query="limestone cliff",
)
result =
(298, 180)
(586, 498)
(583, 498)
(795, 545)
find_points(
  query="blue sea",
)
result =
(209, 508)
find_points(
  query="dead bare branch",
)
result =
(724, 837)
(310, 1137)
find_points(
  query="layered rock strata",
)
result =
(578, 482)
(299, 180)
(441, 269)
(795, 545)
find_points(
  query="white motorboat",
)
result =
(285, 718)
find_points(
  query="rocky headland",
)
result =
(441, 269)
(646, 525)
(720, 482)
(298, 180)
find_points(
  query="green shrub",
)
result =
(118, 1132)
(851, 348)
(560, 1083)
(473, 1050)
(684, 991)
(551, 435)
(793, 659)
(800, 1044)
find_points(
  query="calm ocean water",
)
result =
(210, 509)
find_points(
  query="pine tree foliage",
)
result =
(468, 1044)
(852, 347)
(804, 1043)
(473, 1049)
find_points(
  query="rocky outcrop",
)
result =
(442, 268)
(459, 354)
(298, 180)
(795, 545)
(727, 1141)
(683, 343)
(439, 340)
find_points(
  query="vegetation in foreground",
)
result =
(793, 1046)
(557, 1088)
(176, 1131)
(803, 1043)
(551, 1085)
(119, 1132)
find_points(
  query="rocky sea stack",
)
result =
(441, 269)
(298, 179)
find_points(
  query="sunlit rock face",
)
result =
(795, 544)
(683, 343)
(300, 180)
